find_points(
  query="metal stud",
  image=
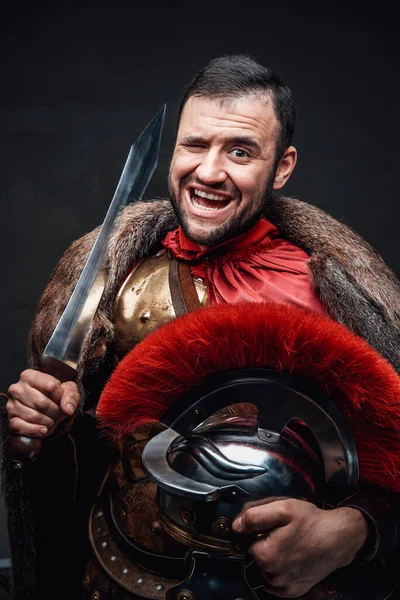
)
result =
(185, 595)
(340, 461)
(95, 595)
(159, 587)
(222, 525)
(113, 558)
(99, 514)
(104, 544)
(140, 580)
(332, 591)
(156, 527)
(145, 316)
(188, 515)
(125, 571)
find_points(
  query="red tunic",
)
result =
(255, 266)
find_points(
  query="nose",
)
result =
(210, 170)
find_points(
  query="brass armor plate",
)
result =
(135, 511)
(144, 302)
(123, 570)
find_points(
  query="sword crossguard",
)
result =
(59, 369)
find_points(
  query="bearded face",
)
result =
(223, 168)
(212, 234)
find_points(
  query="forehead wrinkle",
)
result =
(232, 103)
(226, 134)
(237, 120)
(262, 127)
(231, 129)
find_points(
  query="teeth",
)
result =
(208, 196)
(197, 203)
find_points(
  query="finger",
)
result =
(289, 591)
(43, 382)
(265, 555)
(280, 592)
(70, 399)
(32, 398)
(20, 427)
(260, 519)
(28, 414)
(276, 580)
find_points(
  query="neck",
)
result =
(203, 247)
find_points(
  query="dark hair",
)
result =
(239, 75)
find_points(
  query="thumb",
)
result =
(70, 399)
(260, 519)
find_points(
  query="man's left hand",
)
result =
(299, 544)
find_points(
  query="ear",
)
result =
(285, 167)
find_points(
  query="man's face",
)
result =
(222, 169)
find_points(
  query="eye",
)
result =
(193, 147)
(240, 153)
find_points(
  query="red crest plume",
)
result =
(288, 339)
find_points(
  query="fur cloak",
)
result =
(352, 280)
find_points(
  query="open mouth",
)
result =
(206, 201)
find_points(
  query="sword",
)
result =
(61, 355)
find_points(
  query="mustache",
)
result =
(228, 188)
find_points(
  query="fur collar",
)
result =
(354, 283)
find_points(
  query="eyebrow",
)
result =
(241, 140)
(244, 140)
(192, 139)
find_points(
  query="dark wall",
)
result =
(81, 79)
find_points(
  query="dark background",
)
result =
(79, 81)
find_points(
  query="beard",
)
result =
(234, 225)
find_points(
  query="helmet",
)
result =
(206, 474)
(236, 428)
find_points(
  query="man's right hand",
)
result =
(38, 402)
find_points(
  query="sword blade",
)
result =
(66, 341)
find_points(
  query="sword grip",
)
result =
(23, 448)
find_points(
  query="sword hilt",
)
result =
(23, 448)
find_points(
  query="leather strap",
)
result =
(183, 290)
(188, 288)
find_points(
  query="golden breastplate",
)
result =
(144, 302)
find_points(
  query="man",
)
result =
(233, 149)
